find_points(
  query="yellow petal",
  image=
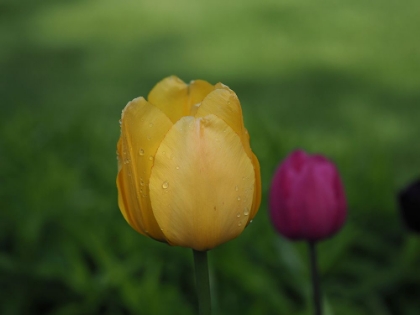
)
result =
(175, 98)
(143, 127)
(256, 201)
(224, 103)
(198, 90)
(202, 183)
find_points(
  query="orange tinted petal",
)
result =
(202, 183)
(143, 127)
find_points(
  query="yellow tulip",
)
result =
(186, 173)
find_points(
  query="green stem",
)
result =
(315, 279)
(202, 281)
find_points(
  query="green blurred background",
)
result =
(337, 77)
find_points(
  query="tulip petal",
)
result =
(224, 103)
(197, 91)
(175, 98)
(143, 127)
(201, 182)
(256, 200)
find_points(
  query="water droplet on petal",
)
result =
(238, 215)
(177, 167)
(250, 221)
(165, 185)
(141, 152)
(151, 158)
(246, 211)
(239, 198)
(239, 224)
(236, 188)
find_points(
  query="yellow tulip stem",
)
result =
(202, 282)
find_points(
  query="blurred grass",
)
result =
(340, 78)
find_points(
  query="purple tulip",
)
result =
(307, 200)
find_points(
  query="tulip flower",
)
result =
(186, 172)
(409, 200)
(187, 175)
(307, 202)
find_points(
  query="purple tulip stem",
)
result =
(202, 282)
(315, 279)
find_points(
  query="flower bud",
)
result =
(307, 200)
(409, 200)
(186, 173)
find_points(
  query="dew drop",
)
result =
(120, 122)
(239, 224)
(236, 188)
(239, 198)
(246, 211)
(238, 215)
(165, 185)
(141, 152)
(151, 158)
(177, 167)
(250, 221)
